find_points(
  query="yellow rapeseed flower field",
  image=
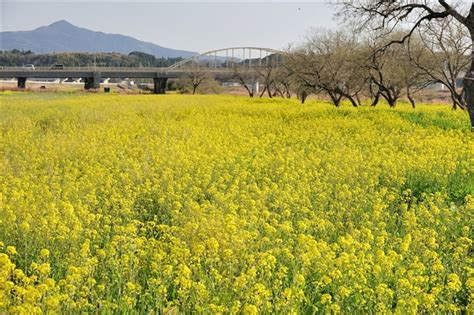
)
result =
(218, 204)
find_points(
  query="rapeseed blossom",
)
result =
(218, 204)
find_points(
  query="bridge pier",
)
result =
(160, 85)
(92, 82)
(21, 83)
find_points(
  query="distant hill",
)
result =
(62, 36)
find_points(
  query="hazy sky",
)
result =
(193, 25)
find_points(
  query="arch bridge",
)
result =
(233, 57)
(215, 63)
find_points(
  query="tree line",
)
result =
(347, 64)
(387, 50)
(134, 59)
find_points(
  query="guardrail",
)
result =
(89, 68)
(120, 69)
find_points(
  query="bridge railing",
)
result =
(86, 68)
(182, 69)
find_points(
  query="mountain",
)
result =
(62, 36)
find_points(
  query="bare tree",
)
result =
(445, 55)
(266, 74)
(389, 15)
(194, 77)
(386, 75)
(299, 83)
(390, 71)
(283, 82)
(303, 93)
(415, 81)
(247, 77)
(276, 81)
(374, 92)
(329, 62)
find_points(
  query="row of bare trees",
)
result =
(440, 24)
(392, 50)
(343, 64)
(346, 65)
(271, 77)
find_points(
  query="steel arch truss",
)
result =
(247, 57)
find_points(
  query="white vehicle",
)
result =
(29, 67)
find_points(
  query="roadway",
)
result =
(93, 75)
(46, 73)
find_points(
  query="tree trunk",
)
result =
(303, 96)
(469, 78)
(287, 91)
(376, 99)
(336, 99)
(469, 94)
(455, 102)
(269, 92)
(460, 100)
(391, 100)
(263, 92)
(353, 102)
(359, 102)
(250, 91)
(412, 101)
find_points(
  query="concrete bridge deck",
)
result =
(214, 68)
(93, 75)
(70, 72)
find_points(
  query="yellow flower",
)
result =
(44, 253)
(326, 299)
(344, 292)
(222, 204)
(406, 243)
(11, 250)
(250, 309)
(44, 269)
(454, 283)
(470, 284)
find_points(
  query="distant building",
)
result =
(230, 84)
(442, 87)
